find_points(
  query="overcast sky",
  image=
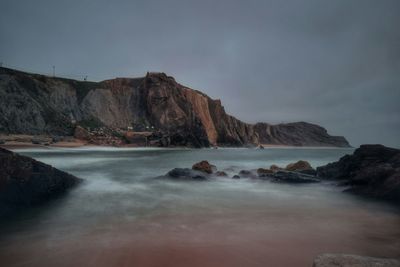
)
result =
(334, 63)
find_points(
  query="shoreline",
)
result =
(24, 141)
(15, 145)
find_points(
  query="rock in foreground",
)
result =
(372, 170)
(26, 182)
(343, 260)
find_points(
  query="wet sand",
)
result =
(241, 239)
(23, 145)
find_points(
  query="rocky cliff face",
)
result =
(372, 170)
(36, 104)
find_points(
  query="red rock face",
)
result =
(156, 102)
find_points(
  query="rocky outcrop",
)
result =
(26, 182)
(297, 134)
(372, 170)
(203, 171)
(301, 166)
(345, 260)
(178, 115)
(204, 166)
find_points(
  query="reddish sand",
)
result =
(197, 241)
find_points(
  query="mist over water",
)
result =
(122, 216)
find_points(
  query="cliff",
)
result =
(178, 115)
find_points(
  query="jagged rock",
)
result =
(275, 168)
(302, 167)
(26, 182)
(37, 104)
(204, 166)
(264, 172)
(344, 260)
(372, 170)
(221, 174)
(187, 174)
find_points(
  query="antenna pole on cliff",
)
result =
(54, 71)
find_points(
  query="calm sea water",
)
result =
(122, 216)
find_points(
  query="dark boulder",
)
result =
(186, 174)
(293, 177)
(26, 182)
(372, 170)
(236, 176)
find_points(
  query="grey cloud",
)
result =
(335, 63)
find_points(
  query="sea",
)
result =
(124, 214)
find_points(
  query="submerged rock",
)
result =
(293, 177)
(186, 174)
(372, 170)
(26, 182)
(344, 260)
(236, 176)
(204, 166)
(247, 174)
(221, 174)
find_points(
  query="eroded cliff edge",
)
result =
(156, 103)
